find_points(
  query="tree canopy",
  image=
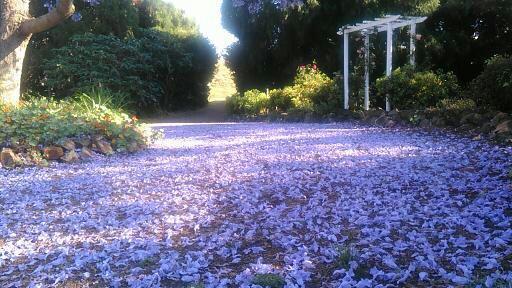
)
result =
(275, 37)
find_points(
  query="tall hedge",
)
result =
(149, 51)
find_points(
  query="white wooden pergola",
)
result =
(387, 24)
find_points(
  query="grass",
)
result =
(222, 84)
(269, 280)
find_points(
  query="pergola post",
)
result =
(366, 71)
(412, 45)
(389, 58)
(386, 23)
(345, 70)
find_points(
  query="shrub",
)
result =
(408, 89)
(103, 61)
(456, 104)
(252, 102)
(38, 122)
(156, 70)
(313, 91)
(280, 99)
(493, 88)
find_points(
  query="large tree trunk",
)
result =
(16, 27)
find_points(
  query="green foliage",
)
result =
(41, 121)
(493, 88)
(274, 42)
(155, 70)
(103, 61)
(346, 254)
(311, 92)
(166, 18)
(408, 89)
(281, 99)
(147, 50)
(252, 102)
(89, 100)
(462, 34)
(269, 280)
(458, 36)
(456, 105)
(111, 17)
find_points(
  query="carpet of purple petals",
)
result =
(216, 204)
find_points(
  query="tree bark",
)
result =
(16, 28)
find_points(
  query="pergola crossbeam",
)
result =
(368, 24)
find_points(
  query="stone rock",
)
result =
(133, 147)
(53, 153)
(503, 127)
(70, 157)
(373, 114)
(486, 128)
(85, 142)
(68, 144)
(382, 120)
(471, 118)
(406, 115)
(390, 123)
(465, 128)
(358, 115)
(438, 121)
(104, 147)
(499, 118)
(425, 123)
(8, 158)
(86, 153)
(309, 117)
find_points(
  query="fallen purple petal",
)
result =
(217, 204)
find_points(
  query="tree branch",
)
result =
(61, 12)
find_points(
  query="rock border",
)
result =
(69, 150)
(495, 125)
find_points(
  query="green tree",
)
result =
(273, 42)
(462, 34)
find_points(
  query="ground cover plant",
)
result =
(410, 89)
(37, 126)
(232, 205)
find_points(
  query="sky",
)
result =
(207, 15)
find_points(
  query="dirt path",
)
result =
(214, 112)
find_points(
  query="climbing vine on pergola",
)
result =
(385, 24)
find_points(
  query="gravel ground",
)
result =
(322, 205)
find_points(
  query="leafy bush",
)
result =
(182, 66)
(156, 70)
(41, 122)
(312, 91)
(493, 88)
(281, 99)
(148, 50)
(456, 104)
(252, 102)
(103, 61)
(408, 89)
